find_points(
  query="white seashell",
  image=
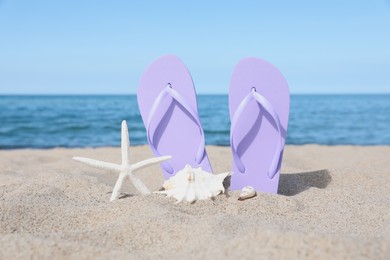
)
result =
(193, 184)
(247, 193)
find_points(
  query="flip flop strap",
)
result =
(168, 91)
(267, 106)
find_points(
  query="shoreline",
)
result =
(208, 145)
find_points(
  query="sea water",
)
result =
(93, 121)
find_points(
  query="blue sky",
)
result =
(99, 47)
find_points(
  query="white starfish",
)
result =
(125, 169)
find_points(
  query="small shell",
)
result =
(193, 184)
(247, 193)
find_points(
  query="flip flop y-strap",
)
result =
(267, 106)
(168, 91)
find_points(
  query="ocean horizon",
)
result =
(49, 121)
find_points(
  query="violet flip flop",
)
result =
(259, 104)
(167, 103)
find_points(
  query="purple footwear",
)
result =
(259, 103)
(167, 102)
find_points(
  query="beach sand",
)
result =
(333, 202)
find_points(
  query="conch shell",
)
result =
(193, 184)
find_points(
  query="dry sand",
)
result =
(332, 202)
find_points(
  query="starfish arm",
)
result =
(125, 143)
(138, 184)
(99, 164)
(147, 162)
(117, 187)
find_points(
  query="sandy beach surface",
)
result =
(333, 202)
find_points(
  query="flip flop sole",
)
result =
(256, 133)
(175, 131)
